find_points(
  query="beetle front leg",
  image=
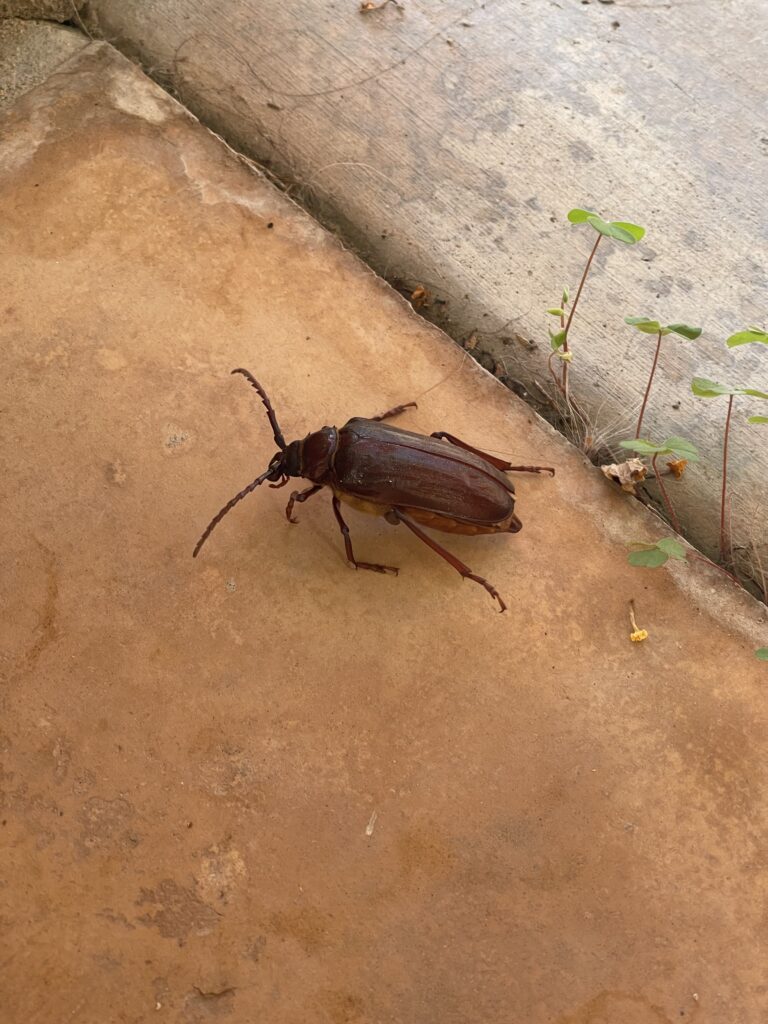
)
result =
(464, 570)
(443, 435)
(348, 545)
(300, 496)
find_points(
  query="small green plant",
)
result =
(745, 337)
(762, 653)
(704, 388)
(679, 447)
(620, 231)
(651, 556)
(647, 326)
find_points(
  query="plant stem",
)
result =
(648, 389)
(573, 310)
(703, 558)
(725, 479)
(665, 496)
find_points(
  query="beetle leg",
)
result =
(498, 463)
(464, 570)
(300, 496)
(348, 545)
(394, 412)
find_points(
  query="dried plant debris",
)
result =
(627, 474)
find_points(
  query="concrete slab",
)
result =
(30, 51)
(447, 141)
(260, 786)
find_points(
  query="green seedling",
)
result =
(762, 653)
(620, 231)
(704, 388)
(745, 337)
(651, 556)
(757, 419)
(647, 326)
(679, 447)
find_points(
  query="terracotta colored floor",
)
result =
(260, 786)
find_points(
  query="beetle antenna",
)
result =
(279, 439)
(227, 508)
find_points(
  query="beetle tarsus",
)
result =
(352, 561)
(458, 565)
(390, 413)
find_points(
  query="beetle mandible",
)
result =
(438, 481)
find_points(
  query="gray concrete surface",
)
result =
(30, 51)
(447, 141)
(47, 10)
(260, 786)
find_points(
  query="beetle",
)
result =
(439, 481)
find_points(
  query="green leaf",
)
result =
(745, 337)
(692, 333)
(578, 216)
(642, 447)
(669, 446)
(681, 446)
(555, 311)
(557, 340)
(762, 653)
(566, 296)
(758, 419)
(673, 548)
(633, 229)
(611, 230)
(705, 388)
(651, 559)
(642, 323)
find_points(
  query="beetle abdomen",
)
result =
(386, 467)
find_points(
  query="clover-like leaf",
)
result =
(679, 446)
(683, 447)
(651, 558)
(673, 548)
(643, 447)
(555, 311)
(762, 653)
(758, 419)
(578, 216)
(632, 229)
(745, 337)
(685, 331)
(621, 230)
(644, 324)
(648, 326)
(612, 230)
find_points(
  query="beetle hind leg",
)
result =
(443, 435)
(348, 545)
(458, 565)
(390, 413)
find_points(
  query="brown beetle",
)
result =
(437, 481)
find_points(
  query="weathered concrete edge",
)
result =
(732, 607)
